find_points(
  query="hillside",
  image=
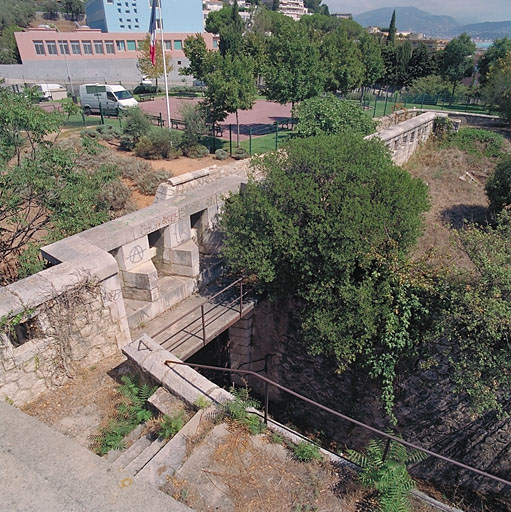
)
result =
(409, 19)
(487, 30)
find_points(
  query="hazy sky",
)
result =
(484, 10)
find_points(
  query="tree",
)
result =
(331, 226)
(498, 50)
(342, 60)
(458, 60)
(372, 59)
(497, 89)
(275, 5)
(216, 20)
(294, 71)
(74, 7)
(391, 39)
(195, 124)
(420, 64)
(330, 115)
(16, 13)
(9, 53)
(51, 8)
(231, 33)
(145, 65)
(197, 53)
(230, 88)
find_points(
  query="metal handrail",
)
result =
(184, 315)
(389, 437)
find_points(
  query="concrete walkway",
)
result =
(44, 471)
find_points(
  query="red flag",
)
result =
(152, 34)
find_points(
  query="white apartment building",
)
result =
(293, 8)
(215, 5)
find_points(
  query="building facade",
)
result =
(293, 8)
(90, 55)
(133, 15)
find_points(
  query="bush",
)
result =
(148, 183)
(240, 153)
(117, 199)
(145, 89)
(195, 124)
(330, 115)
(157, 144)
(476, 141)
(136, 123)
(127, 143)
(498, 186)
(93, 134)
(305, 452)
(171, 425)
(221, 154)
(108, 132)
(197, 151)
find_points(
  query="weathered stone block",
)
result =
(133, 254)
(184, 259)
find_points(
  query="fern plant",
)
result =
(171, 425)
(388, 477)
(237, 410)
(130, 412)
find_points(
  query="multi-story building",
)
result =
(90, 55)
(293, 8)
(134, 15)
(245, 9)
(343, 15)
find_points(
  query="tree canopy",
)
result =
(329, 225)
(145, 65)
(458, 60)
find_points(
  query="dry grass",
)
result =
(456, 182)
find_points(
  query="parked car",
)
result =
(51, 92)
(111, 98)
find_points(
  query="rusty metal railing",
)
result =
(205, 322)
(389, 437)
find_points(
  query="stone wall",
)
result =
(428, 410)
(404, 138)
(64, 317)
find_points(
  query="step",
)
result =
(145, 457)
(165, 403)
(113, 455)
(172, 456)
(132, 452)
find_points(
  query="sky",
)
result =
(483, 10)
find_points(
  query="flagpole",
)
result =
(164, 66)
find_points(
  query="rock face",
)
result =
(429, 413)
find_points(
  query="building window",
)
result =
(168, 45)
(121, 46)
(129, 27)
(75, 48)
(132, 45)
(109, 45)
(158, 23)
(87, 47)
(51, 47)
(64, 47)
(179, 63)
(128, 20)
(215, 43)
(121, 26)
(120, 20)
(135, 11)
(39, 48)
(119, 11)
(178, 44)
(109, 1)
(98, 47)
(136, 20)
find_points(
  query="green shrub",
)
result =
(131, 411)
(305, 451)
(148, 183)
(171, 425)
(498, 186)
(202, 402)
(195, 124)
(330, 115)
(388, 477)
(127, 143)
(476, 141)
(93, 134)
(240, 153)
(117, 199)
(221, 154)
(197, 151)
(136, 123)
(157, 144)
(108, 132)
(144, 149)
(145, 89)
(237, 410)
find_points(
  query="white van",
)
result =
(111, 98)
(51, 92)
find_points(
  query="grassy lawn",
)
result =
(261, 144)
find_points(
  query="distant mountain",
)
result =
(487, 30)
(409, 19)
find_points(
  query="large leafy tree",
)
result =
(198, 54)
(74, 7)
(293, 71)
(231, 87)
(458, 60)
(420, 64)
(497, 88)
(342, 60)
(498, 50)
(145, 65)
(372, 59)
(331, 226)
(16, 13)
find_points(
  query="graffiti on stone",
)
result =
(136, 254)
